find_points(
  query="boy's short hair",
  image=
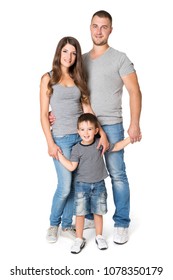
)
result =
(88, 117)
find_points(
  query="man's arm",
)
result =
(103, 137)
(132, 86)
(71, 166)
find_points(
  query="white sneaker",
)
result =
(52, 234)
(78, 245)
(121, 235)
(101, 242)
(69, 233)
(89, 224)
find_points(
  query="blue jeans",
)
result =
(90, 198)
(117, 171)
(63, 200)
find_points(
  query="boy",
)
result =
(90, 190)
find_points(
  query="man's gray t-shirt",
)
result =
(105, 84)
(91, 167)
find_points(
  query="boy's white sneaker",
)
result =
(69, 233)
(88, 224)
(52, 234)
(101, 242)
(78, 245)
(121, 235)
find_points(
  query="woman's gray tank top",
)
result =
(66, 106)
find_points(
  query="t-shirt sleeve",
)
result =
(126, 66)
(74, 154)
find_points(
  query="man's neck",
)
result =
(98, 51)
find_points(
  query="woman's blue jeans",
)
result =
(117, 171)
(63, 199)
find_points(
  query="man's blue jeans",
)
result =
(117, 171)
(63, 200)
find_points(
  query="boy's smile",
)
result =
(87, 132)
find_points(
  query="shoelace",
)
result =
(77, 241)
(101, 240)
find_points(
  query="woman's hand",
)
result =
(53, 151)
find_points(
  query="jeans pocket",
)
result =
(79, 203)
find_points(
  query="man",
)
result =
(108, 70)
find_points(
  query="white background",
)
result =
(30, 31)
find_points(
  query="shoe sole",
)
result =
(51, 241)
(81, 247)
(120, 243)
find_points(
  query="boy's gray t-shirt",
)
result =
(105, 84)
(91, 167)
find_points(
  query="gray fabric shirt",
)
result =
(66, 106)
(106, 85)
(91, 167)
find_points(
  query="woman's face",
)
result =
(68, 55)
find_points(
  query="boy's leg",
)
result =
(98, 220)
(100, 241)
(79, 226)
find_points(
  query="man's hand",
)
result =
(104, 143)
(51, 118)
(134, 133)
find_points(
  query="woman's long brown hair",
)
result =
(76, 71)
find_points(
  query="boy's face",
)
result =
(87, 131)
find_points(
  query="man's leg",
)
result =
(120, 186)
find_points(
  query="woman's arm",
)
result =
(121, 144)
(71, 166)
(44, 112)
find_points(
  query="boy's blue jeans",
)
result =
(117, 171)
(63, 200)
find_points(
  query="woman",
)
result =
(65, 90)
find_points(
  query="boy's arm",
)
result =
(71, 166)
(121, 144)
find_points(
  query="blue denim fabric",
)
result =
(63, 200)
(90, 198)
(117, 171)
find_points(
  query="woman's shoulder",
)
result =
(45, 78)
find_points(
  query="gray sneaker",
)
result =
(121, 235)
(69, 233)
(52, 234)
(87, 224)
(78, 245)
(101, 242)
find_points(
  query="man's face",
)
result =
(100, 30)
